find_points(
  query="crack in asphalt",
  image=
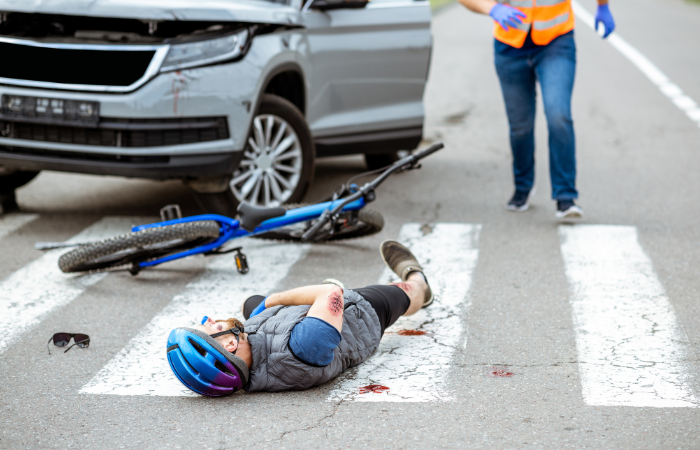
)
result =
(318, 423)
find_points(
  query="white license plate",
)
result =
(53, 111)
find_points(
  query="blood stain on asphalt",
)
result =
(413, 333)
(498, 372)
(410, 332)
(373, 388)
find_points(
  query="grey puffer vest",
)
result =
(275, 368)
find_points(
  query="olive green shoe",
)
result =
(402, 262)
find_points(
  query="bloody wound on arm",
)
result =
(329, 306)
(335, 303)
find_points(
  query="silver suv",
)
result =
(235, 97)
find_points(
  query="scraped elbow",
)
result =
(335, 302)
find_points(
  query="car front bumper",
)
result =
(194, 94)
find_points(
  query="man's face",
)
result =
(228, 341)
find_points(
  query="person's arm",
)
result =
(479, 6)
(305, 295)
(604, 17)
(506, 16)
(326, 302)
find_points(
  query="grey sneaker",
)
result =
(567, 210)
(402, 262)
(334, 281)
(519, 201)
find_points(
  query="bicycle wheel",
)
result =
(350, 225)
(134, 248)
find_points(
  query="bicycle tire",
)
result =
(369, 222)
(145, 245)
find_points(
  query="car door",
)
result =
(366, 68)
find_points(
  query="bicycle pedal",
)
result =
(170, 212)
(241, 262)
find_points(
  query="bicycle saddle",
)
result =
(250, 217)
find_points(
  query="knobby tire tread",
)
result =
(72, 261)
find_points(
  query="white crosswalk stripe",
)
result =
(632, 350)
(37, 289)
(413, 367)
(141, 367)
(11, 222)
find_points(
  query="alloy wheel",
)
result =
(272, 163)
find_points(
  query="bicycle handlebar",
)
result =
(429, 151)
(407, 162)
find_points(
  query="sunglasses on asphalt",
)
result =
(62, 339)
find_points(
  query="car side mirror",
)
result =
(325, 5)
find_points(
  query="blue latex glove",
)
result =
(604, 17)
(506, 16)
(258, 309)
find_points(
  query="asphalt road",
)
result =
(527, 301)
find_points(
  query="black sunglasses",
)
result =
(62, 339)
(236, 331)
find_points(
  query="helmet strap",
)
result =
(234, 331)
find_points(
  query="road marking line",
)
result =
(632, 351)
(38, 288)
(663, 82)
(141, 367)
(414, 368)
(12, 222)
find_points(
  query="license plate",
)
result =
(51, 111)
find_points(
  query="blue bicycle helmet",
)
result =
(204, 365)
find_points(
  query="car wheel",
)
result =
(376, 161)
(277, 164)
(11, 179)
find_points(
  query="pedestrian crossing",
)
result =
(12, 222)
(414, 364)
(31, 293)
(632, 350)
(141, 368)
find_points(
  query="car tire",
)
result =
(9, 181)
(262, 179)
(376, 161)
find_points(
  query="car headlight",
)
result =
(192, 54)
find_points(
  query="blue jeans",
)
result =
(554, 65)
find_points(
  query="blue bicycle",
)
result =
(342, 217)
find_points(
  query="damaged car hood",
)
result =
(254, 11)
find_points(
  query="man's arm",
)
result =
(506, 16)
(326, 302)
(478, 6)
(305, 295)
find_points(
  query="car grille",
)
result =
(73, 66)
(123, 132)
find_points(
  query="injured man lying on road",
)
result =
(297, 339)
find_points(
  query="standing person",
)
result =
(534, 41)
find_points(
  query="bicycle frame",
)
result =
(231, 229)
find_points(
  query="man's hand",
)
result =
(604, 17)
(506, 16)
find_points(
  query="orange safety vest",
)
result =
(547, 19)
